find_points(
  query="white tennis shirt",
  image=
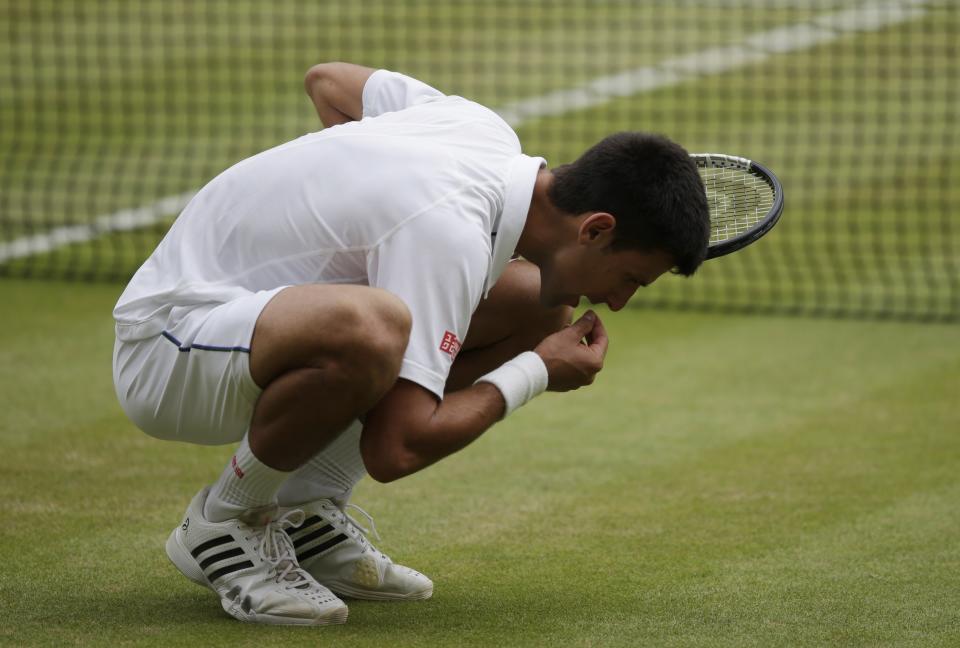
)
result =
(425, 197)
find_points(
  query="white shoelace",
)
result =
(277, 550)
(365, 531)
(355, 528)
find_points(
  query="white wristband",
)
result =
(519, 380)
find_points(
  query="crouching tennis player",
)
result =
(348, 303)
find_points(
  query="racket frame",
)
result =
(724, 161)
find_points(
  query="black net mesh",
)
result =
(113, 112)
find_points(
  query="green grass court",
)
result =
(803, 495)
(728, 481)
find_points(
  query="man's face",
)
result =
(590, 268)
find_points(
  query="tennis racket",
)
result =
(745, 200)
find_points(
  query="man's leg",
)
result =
(320, 355)
(340, 344)
(323, 355)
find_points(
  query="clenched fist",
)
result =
(571, 363)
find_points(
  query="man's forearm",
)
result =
(396, 444)
(336, 90)
(459, 420)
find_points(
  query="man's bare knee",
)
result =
(306, 327)
(394, 320)
(378, 342)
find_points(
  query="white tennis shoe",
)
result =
(251, 565)
(335, 550)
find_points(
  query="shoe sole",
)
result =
(341, 589)
(335, 617)
(181, 558)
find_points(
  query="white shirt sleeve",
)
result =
(387, 91)
(438, 271)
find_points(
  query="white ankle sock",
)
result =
(246, 483)
(330, 474)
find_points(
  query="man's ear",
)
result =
(597, 229)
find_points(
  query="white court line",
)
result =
(755, 48)
(869, 16)
(121, 221)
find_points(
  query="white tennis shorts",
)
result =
(192, 381)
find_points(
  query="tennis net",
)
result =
(113, 112)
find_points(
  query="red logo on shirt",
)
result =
(450, 344)
(236, 468)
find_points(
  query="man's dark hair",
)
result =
(651, 185)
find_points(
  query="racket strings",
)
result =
(738, 201)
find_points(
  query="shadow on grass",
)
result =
(169, 612)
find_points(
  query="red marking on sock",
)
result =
(236, 468)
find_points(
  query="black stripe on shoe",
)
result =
(229, 569)
(210, 544)
(312, 536)
(323, 546)
(310, 521)
(230, 553)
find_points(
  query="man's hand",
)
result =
(571, 364)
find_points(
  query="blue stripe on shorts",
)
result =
(201, 347)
